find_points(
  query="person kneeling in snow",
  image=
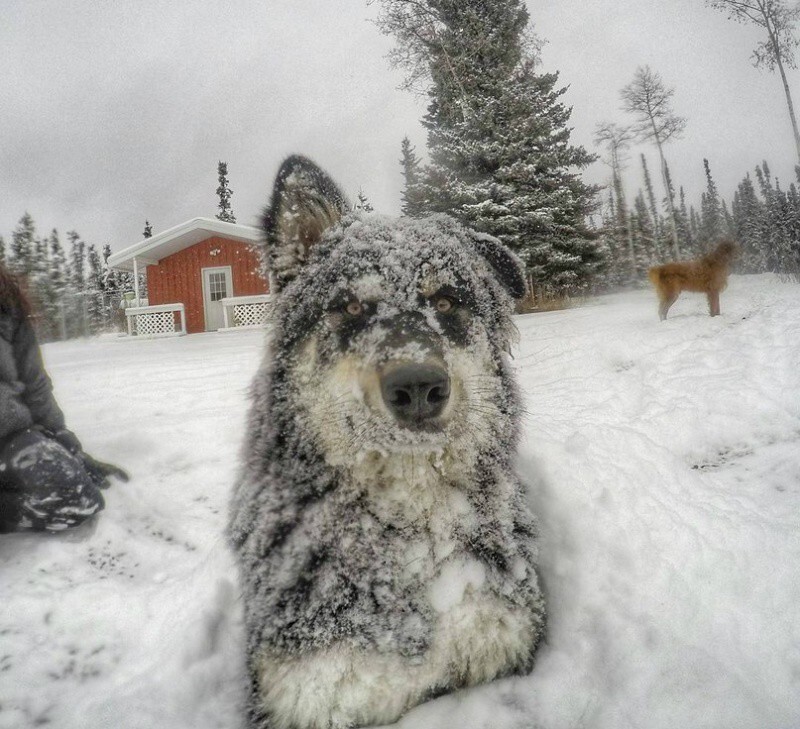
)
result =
(47, 482)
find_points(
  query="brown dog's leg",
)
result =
(666, 299)
(713, 303)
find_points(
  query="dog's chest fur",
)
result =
(475, 633)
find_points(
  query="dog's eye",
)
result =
(444, 304)
(354, 308)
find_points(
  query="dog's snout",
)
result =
(416, 393)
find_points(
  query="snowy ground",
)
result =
(664, 462)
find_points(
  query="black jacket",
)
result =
(26, 394)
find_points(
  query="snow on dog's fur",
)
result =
(385, 548)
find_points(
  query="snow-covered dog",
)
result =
(386, 551)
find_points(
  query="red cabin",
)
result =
(203, 275)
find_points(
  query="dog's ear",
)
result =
(305, 203)
(507, 267)
(729, 248)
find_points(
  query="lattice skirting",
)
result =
(246, 315)
(158, 322)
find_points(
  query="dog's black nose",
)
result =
(416, 393)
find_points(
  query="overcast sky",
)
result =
(115, 111)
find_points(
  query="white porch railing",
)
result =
(156, 321)
(245, 311)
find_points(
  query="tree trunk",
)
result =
(776, 53)
(623, 220)
(673, 228)
(631, 248)
(790, 105)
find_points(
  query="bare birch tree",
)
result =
(648, 99)
(778, 20)
(617, 139)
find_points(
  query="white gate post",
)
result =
(136, 280)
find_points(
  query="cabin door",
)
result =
(217, 284)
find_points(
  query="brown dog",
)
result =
(708, 274)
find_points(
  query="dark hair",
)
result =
(12, 298)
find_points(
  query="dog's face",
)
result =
(727, 250)
(393, 328)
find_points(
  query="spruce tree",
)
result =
(710, 212)
(783, 231)
(40, 257)
(644, 236)
(2, 249)
(110, 277)
(77, 324)
(779, 245)
(727, 221)
(617, 139)
(115, 283)
(58, 264)
(95, 291)
(498, 135)
(656, 222)
(59, 277)
(22, 246)
(224, 193)
(694, 227)
(749, 218)
(363, 203)
(793, 200)
(685, 238)
(411, 205)
(669, 202)
(77, 265)
(41, 291)
(768, 242)
(623, 226)
(619, 269)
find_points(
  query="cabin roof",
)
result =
(149, 251)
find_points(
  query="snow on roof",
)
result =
(151, 250)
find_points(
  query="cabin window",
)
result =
(217, 286)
